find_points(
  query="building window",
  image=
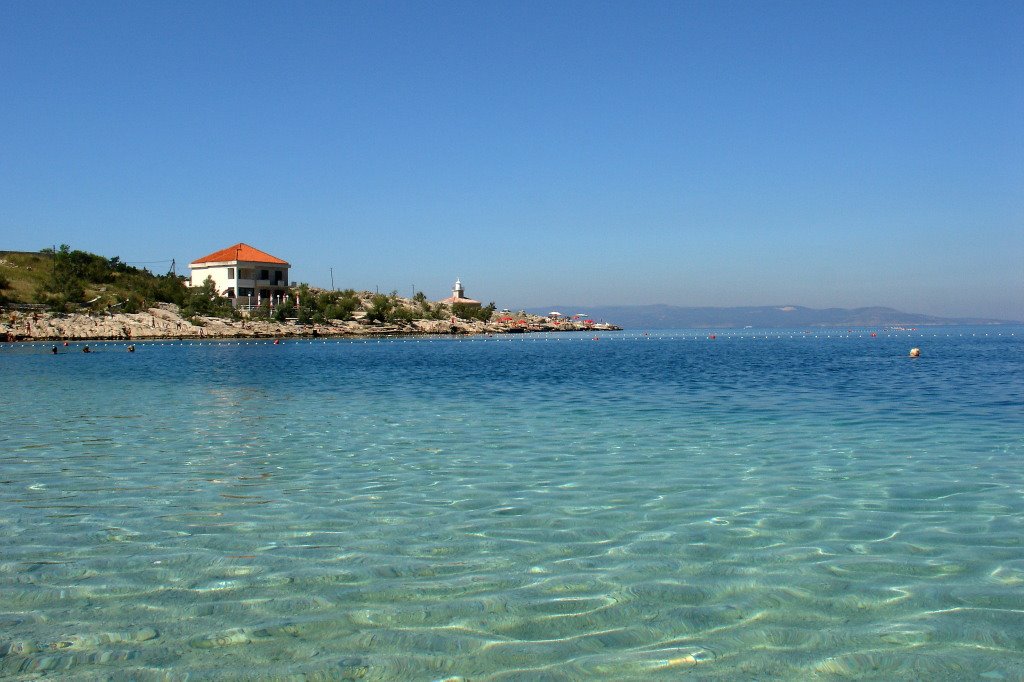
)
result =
(231, 273)
(264, 274)
(231, 292)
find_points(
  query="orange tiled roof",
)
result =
(239, 252)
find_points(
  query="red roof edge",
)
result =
(240, 252)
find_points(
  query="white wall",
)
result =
(219, 273)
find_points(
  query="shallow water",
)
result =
(762, 505)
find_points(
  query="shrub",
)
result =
(401, 313)
(132, 304)
(283, 311)
(341, 310)
(70, 274)
(204, 300)
(472, 312)
(380, 309)
(63, 288)
(261, 312)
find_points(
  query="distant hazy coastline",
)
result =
(785, 316)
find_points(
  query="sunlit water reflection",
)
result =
(760, 505)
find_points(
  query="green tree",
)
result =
(401, 313)
(261, 312)
(341, 307)
(381, 308)
(310, 304)
(204, 300)
(307, 315)
(283, 311)
(438, 311)
(169, 289)
(465, 311)
(63, 288)
(71, 276)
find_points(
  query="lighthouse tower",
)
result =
(459, 296)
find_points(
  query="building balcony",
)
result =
(258, 283)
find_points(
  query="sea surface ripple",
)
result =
(762, 504)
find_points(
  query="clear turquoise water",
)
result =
(781, 505)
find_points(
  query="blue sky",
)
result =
(691, 153)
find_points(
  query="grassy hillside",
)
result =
(23, 273)
(66, 279)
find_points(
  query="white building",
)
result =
(242, 273)
(459, 296)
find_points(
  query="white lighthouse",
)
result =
(459, 295)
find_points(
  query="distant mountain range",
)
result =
(678, 317)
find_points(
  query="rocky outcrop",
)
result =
(164, 322)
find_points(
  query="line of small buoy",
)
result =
(583, 336)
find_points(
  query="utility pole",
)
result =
(332, 279)
(174, 268)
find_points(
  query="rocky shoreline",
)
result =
(164, 322)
